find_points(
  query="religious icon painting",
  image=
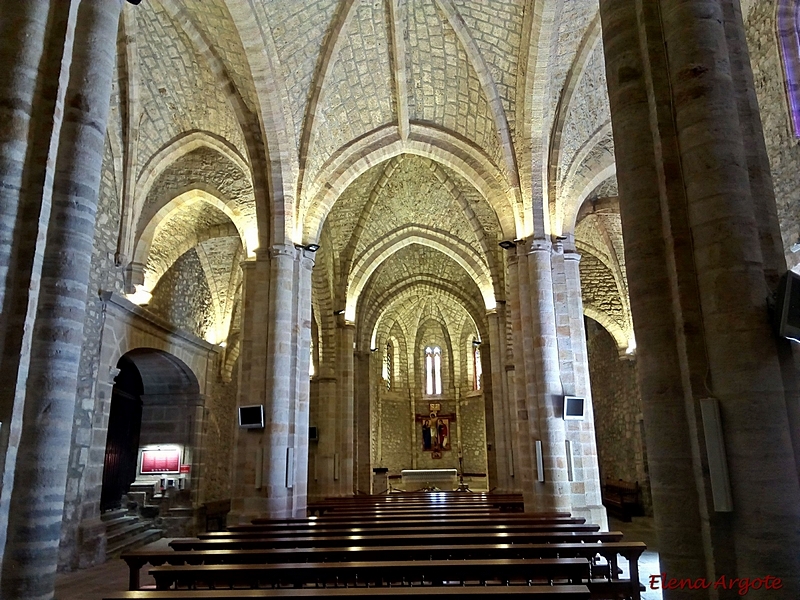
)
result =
(435, 433)
(427, 437)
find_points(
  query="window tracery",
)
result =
(433, 370)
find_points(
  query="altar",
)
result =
(445, 480)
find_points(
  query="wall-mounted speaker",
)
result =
(717, 458)
(539, 462)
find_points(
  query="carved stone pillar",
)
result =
(700, 234)
(271, 464)
(54, 92)
(344, 401)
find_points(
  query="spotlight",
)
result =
(476, 343)
(338, 312)
(135, 2)
(312, 247)
(506, 245)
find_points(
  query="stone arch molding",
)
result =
(359, 156)
(172, 152)
(621, 338)
(172, 209)
(163, 372)
(374, 318)
(448, 245)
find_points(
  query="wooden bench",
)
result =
(216, 513)
(561, 592)
(452, 500)
(398, 543)
(544, 571)
(349, 525)
(622, 499)
(555, 533)
(477, 514)
(418, 528)
(608, 551)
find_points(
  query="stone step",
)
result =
(114, 525)
(145, 537)
(111, 515)
(128, 531)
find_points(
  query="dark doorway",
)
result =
(124, 427)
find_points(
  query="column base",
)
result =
(91, 543)
(593, 514)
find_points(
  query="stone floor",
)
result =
(94, 583)
(641, 529)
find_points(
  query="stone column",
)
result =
(500, 405)
(574, 365)
(271, 465)
(326, 446)
(700, 269)
(66, 212)
(362, 420)
(301, 384)
(520, 321)
(344, 400)
(249, 454)
(554, 492)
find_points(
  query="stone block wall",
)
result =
(218, 435)
(473, 434)
(183, 296)
(395, 445)
(783, 148)
(617, 412)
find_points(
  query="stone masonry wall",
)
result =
(183, 296)
(395, 442)
(783, 148)
(220, 424)
(617, 412)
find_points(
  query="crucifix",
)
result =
(435, 429)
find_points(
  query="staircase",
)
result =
(126, 532)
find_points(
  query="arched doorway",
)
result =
(122, 441)
(154, 404)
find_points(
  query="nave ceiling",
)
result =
(384, 130)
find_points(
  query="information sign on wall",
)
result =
(161, 461)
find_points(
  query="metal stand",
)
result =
(462, 487)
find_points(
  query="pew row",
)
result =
(544, 571)
(561, 592)
(608, 552)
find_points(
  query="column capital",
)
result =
(261, 254)
(282, 250)
(539, 245)
(344, 323)
(573, 255)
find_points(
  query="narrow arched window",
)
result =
(388, 363)
(433, 370)
(789, 36)
(477, 370)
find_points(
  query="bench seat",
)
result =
(560, 592)
(374, 573)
